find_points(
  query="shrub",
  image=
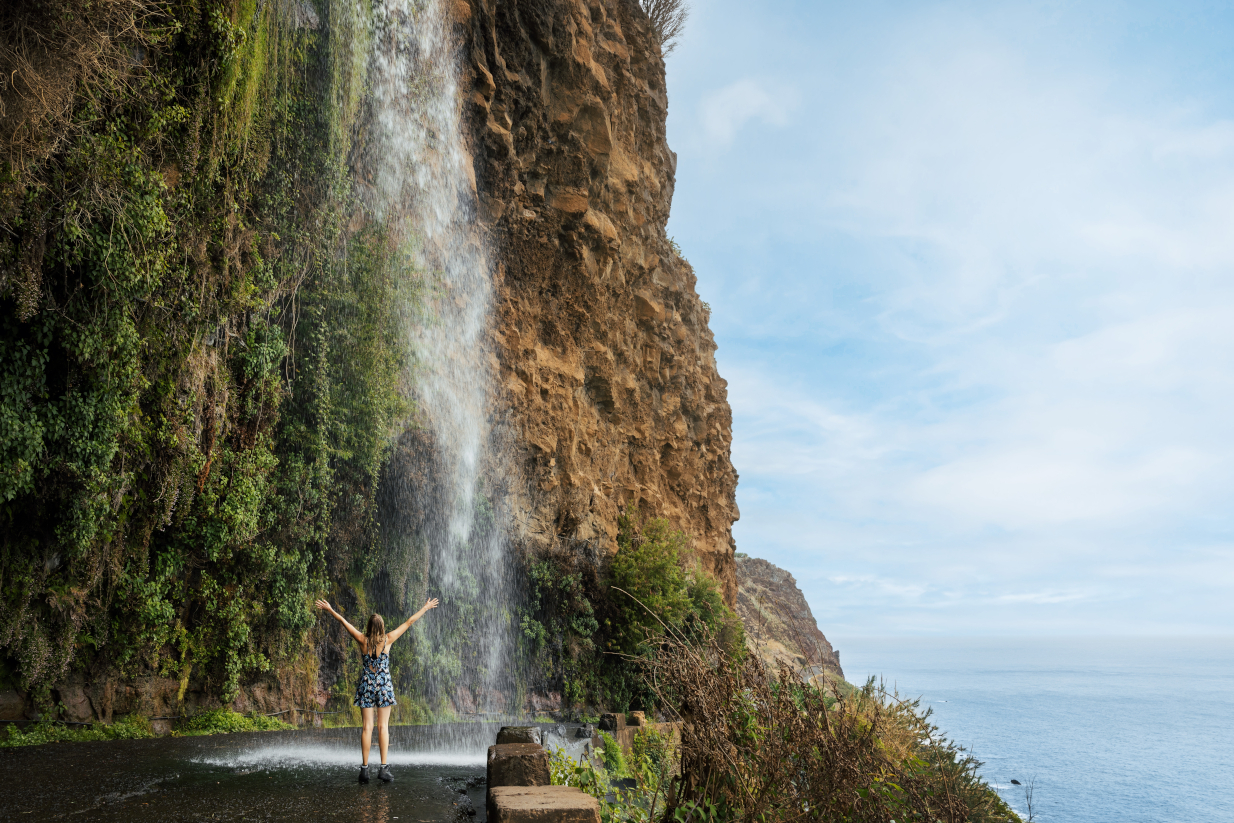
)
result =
(618, 804)
(614, 758)
(586, 627)
(766, 746)
(648, 567)
(129, 728)
(657, 590)
(668, 21)
(557, 612)
(652, 753)
(225, 721)
(563, 771)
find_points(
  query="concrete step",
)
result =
(519, 734)
(541, 804)
(517, 764)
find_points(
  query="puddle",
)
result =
(301, 776)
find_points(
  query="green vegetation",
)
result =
(132, 727)
(658, 591)
(770, 746)
(588, 625)
(650, 765)
(225, 721)
(753, 744)
(611, 754)
(558, 616)
(653, 752)
(200, 366)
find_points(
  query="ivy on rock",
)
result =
(199, 364)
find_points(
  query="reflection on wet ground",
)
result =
(298, 776)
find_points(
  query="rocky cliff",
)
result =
(606, 361)
(779, 624)
(207, 450)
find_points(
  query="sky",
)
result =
(971, 270)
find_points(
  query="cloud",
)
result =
(885, 587)
(724, 112)
(976, 314)
(1043, 597)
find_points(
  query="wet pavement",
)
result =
(303, 776)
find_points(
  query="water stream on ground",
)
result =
(307, 775)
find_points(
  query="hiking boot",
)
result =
(364, 774)
(384, 773)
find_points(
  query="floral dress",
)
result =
(375, 689)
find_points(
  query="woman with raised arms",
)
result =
(375, 692)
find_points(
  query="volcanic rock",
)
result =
(779, 625)
(517, 764)
(519, 734)
(606, 363)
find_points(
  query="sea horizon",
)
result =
(1106, 727)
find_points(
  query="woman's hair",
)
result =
(375, 635)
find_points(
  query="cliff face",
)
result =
(266, 470)
(606, 363)
(779, 624)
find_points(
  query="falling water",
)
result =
(419, 187)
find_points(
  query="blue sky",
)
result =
(970, 267)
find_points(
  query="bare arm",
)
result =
(352, 630)
(431, 603)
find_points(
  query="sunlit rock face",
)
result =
(605, 361)
(780, 627)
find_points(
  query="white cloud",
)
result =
(1043, 597)
(999, 385)
(893, 588)
(724, 112)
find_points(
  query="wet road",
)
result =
(302, 776)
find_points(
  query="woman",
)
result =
(375, 693)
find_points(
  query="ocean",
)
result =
(1133, 730)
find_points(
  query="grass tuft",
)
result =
(132, 727)
(225, 721)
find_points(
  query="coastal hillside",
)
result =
(779, 626)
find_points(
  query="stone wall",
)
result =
(107, 698)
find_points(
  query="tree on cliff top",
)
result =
(668, 21)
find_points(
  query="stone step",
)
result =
(519, 734)
(517, 764)
(541, 804)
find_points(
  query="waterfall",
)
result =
(419, 185)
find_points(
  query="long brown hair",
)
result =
(374, 636)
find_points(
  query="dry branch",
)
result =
(51, 50)
(668, 21)
(769, 746)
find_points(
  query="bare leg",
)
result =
(383, 731)
(366, 736)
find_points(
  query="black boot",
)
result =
(364, 774)
(384, 773)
